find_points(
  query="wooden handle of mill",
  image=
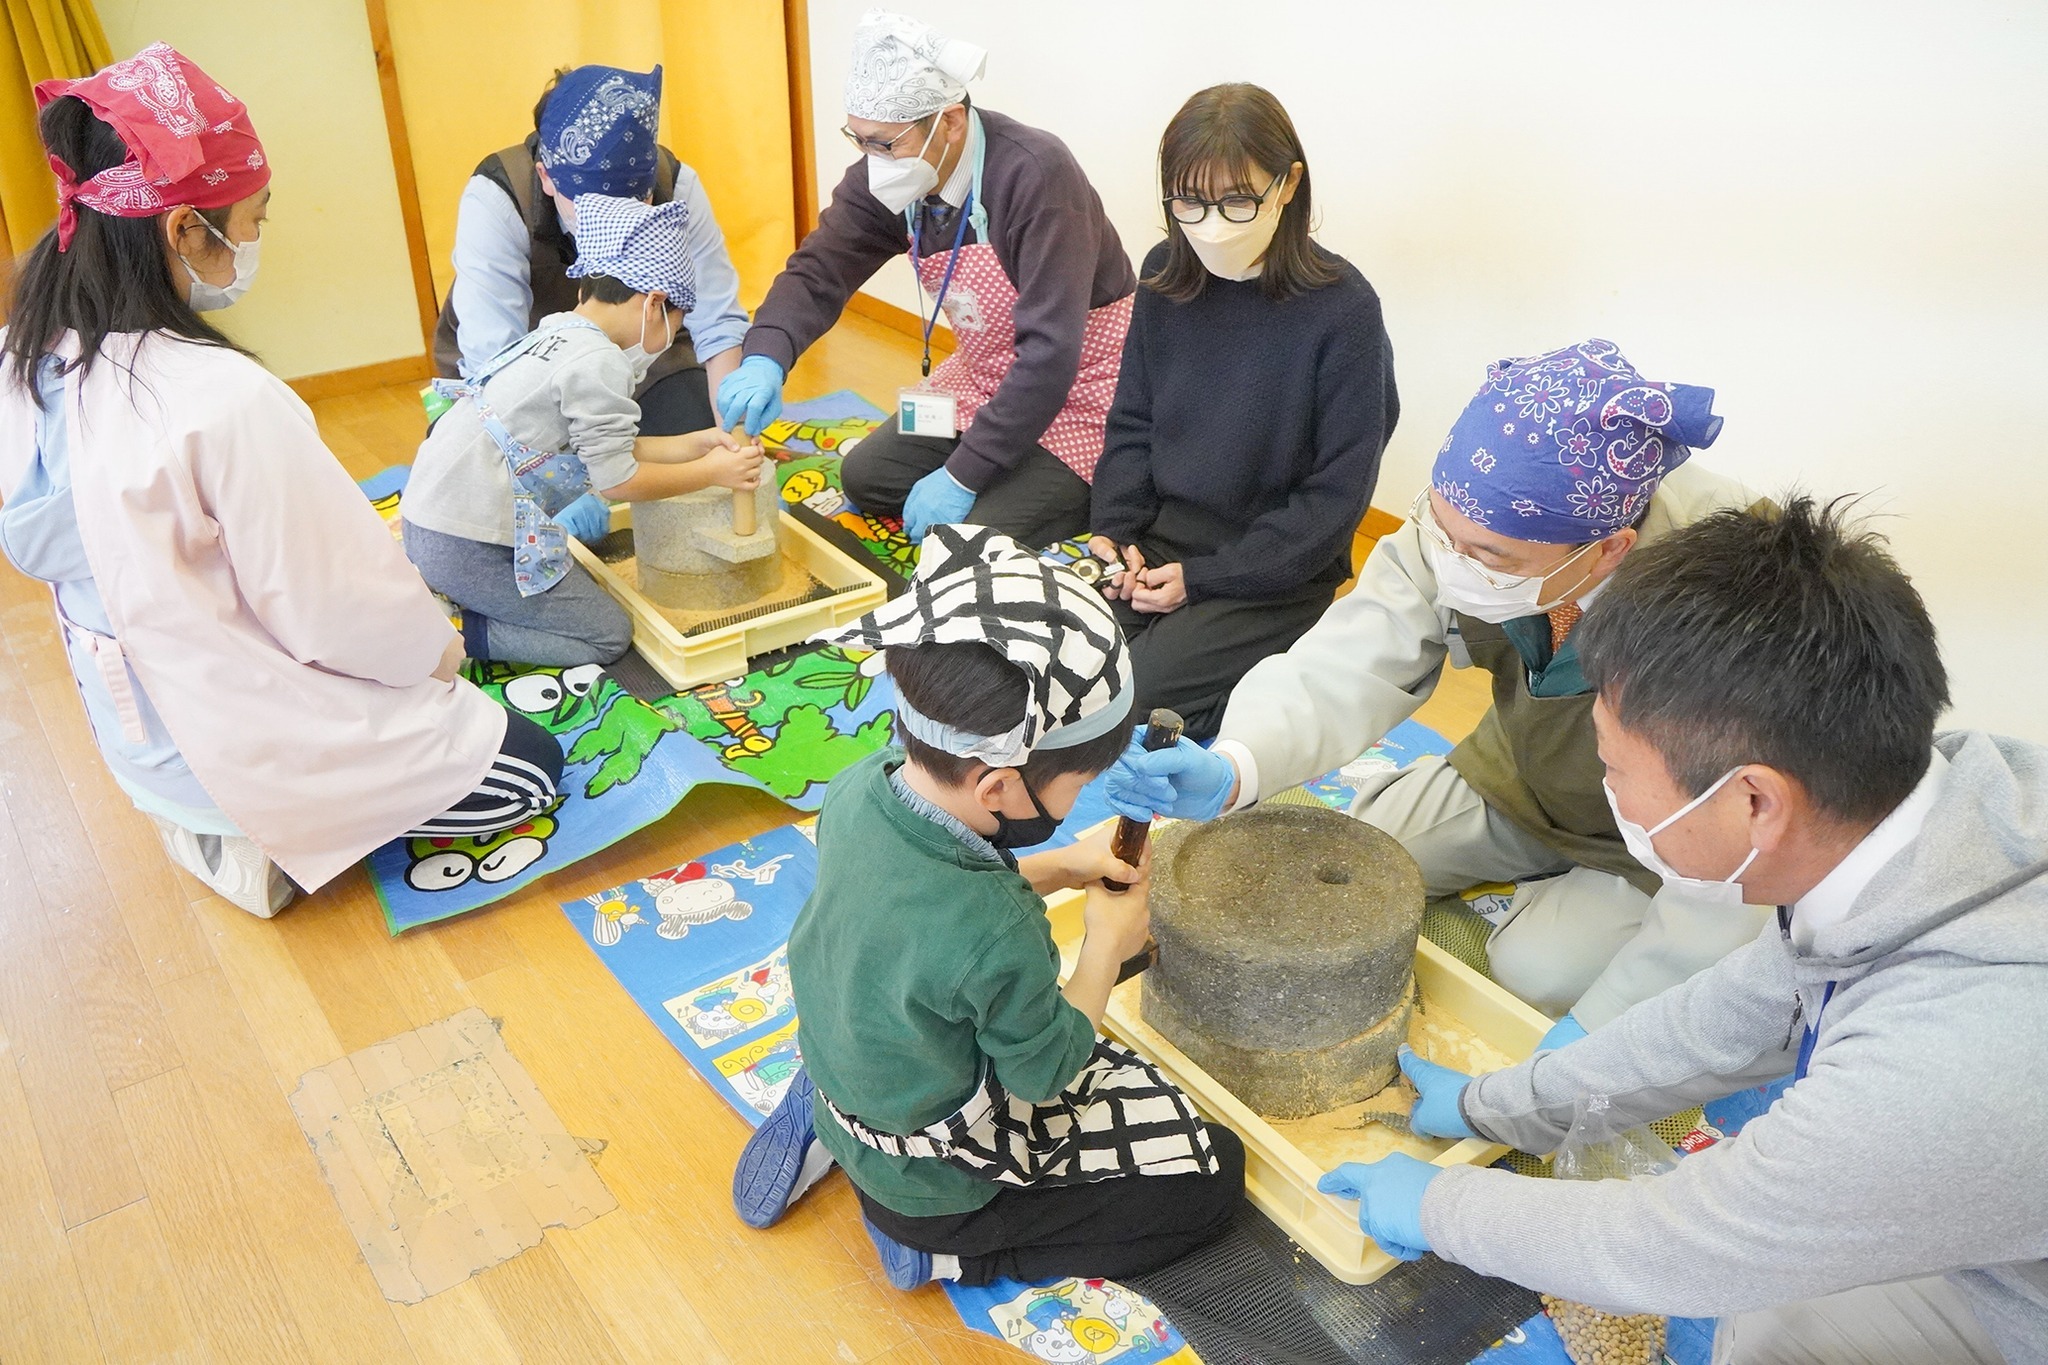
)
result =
(742, 498)
(1162, 731)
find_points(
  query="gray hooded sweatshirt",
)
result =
(1916, 1144)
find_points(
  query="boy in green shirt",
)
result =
(986, 1127)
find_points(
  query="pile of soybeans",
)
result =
(1592, 1337)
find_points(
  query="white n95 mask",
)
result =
(208, 298)
(1231, 251)
(900, 182)
(1464, 586)
(1726, 893)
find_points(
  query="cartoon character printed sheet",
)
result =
(703, 949)
(786, 729)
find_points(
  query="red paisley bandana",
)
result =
(188, 140)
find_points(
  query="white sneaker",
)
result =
(233, 867)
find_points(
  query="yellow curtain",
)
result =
(41, 40)
(469, 72)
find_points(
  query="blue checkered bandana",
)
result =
(597, 132)
(1568, 446)
(639, 245)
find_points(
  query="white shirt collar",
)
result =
(954, 191)
(1828, 904)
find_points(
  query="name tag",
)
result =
(924, 412)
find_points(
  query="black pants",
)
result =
(1106, 1230)
(1037, 502)
(1191, 658)
(522, 782)
(677, 403)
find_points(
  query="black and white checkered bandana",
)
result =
(977, 586)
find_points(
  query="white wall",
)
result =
(335, 288)
(1834, 213)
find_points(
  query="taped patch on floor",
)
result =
(443, 1155)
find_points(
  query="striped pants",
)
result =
(521, 783)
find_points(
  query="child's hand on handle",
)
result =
(1117, 926)
(1078, 864)
(729, 464)
(1120, 921)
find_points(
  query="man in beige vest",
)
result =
(1558, 467)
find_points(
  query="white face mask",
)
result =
(899, 182)
(1465, 586)
(208, 297)
(1232, 251)
(1727, 892)
(639, 357)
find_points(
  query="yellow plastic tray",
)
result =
(1460, 1005)
(716, 655)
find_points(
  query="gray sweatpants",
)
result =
(1912, 1322)
(574, 622)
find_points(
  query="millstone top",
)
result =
(1285, 885)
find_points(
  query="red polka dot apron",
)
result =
(980, 304)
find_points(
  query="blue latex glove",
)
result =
(1437, 1088)
(1565, 1030)
(1186, 782)
(1389, 1195)
(935, 500)
(588, 518)
(752, 394)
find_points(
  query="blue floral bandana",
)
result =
(1568, 446)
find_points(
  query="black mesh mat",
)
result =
(638, 677)
(1254, 1298)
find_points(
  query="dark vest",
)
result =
(551, 252)
(1535, 760)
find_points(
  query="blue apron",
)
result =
(543, 482)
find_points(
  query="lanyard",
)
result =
(1812, 1034)
(945, 281)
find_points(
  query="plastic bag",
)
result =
(1599, 1147)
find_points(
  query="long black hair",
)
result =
(1240, 127)
(113, 278)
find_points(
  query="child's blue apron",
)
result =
(543, 482)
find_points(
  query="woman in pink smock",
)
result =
(266, 676)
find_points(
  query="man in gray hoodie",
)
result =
(1768, 684)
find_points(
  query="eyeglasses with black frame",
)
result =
(875, 146)
(1235, 208)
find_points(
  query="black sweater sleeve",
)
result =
(1354, 409)
(1124, 501)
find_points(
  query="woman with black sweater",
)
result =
(1256, 394)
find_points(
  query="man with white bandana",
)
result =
(1007, 235)
(1557, 468)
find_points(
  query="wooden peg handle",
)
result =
(742, 499)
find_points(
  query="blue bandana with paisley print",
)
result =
(1568, 446)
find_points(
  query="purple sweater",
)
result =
(1053, 240)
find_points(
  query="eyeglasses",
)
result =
(1235, 208)
(875, 146)
(1424, 517)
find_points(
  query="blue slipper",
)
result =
(765, 1181)
(906, 1268)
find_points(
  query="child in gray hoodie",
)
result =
(505, 476)
(1768, 688)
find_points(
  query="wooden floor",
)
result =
(157, 1201)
